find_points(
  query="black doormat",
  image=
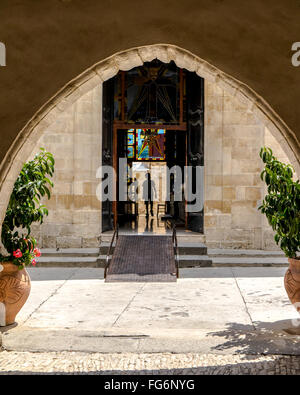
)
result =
(142, 259)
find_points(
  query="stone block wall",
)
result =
(233, 188)
(74, 219)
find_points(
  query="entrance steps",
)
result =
(191, 254)
(247, 258)
(69, 257)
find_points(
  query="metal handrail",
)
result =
(176, 252)
(108, 260)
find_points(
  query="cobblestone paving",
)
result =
(95, 363)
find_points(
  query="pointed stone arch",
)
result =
(126, 60)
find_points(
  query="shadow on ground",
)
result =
(7, 328)
(268, 338)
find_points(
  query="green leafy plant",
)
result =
(24, 209)
(282, 203)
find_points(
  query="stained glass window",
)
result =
(146, 144)
(130, 137)
(131, 144)
(150, 144)
(130, 152)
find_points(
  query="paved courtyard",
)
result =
(211, 319)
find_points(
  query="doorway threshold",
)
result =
(183, 235)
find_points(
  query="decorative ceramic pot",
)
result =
(14, 291)
(292, 282)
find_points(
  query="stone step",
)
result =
(104, 247)
(184, 261)
(194, 261)
(190, 255)
(182, 236)
(190, 238)
(249, 261)
(70, 252)
(67, 261)
(184, 248)
(222, 252)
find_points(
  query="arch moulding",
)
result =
(126, 60)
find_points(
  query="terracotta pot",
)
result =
(292, 282)
(14, 291)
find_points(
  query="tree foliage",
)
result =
(282, 203)
(24, 208)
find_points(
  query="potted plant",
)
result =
(23, 210)
(282, 208)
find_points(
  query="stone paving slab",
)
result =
(230, 340)
(209, 310)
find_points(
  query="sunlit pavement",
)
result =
(209, 310)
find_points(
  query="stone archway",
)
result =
(126, 60)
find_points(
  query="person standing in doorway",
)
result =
(148, 190)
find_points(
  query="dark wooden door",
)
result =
(176, 156)
(107, 147)
(195, 139)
